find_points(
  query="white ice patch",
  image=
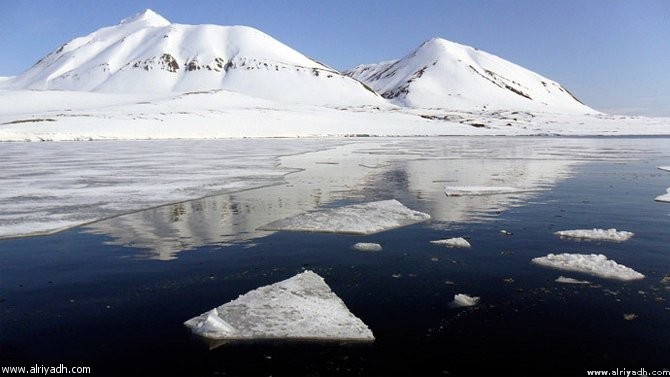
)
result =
(666, 168)
(461, 300)
(566, 280)
(301, 307)
(480, 190)
(594, 264)
(368, 246)
(596, 234)
(664, 198)
(453, 242)
(365, 218)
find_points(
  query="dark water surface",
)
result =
(114, 295)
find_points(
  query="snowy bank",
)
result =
(594, 264)
(302, 307)
(365, 218)
(452, 242)
(596, 234)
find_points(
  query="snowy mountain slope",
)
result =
(147, 54)
(444, 74)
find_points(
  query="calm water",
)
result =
(113, 295)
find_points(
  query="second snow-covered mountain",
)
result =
(444, 74)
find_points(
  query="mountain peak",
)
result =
(148, 17)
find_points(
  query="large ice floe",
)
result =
(596, 234)
(480, 190)
(665, 197)
(299, 308)
(365, 218)
(666, 168)
(594, 264)
(452, 242)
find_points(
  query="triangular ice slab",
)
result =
(300, 308)
(365, 218)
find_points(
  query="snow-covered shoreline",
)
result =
(78, 116)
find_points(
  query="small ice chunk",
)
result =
(665, 197)
(596, 234)
(365, 218)
(368, 246)
(594, 264)
(564, 280)
(302, 307)
(666, 168)
(462, 299)
(480, 190)
(453, 242)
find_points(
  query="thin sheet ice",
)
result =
(665, 197)
(302, 307)
(480, 190)
(594, 264)
(365, 218)
(596, 234)
(367, 246)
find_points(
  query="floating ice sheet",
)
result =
(365, 218)
(368, 246)
(666, 168)
(665, 197)
(596, 234)
(594, 264)
(480, 190)
(453, 242)
(566, 280)
(300, 308)
(461, 300)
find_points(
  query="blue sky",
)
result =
(612, 54)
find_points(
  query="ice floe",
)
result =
(365, 218)
(368, 246)
(461, 300)
(594, 264)
(666, 168)
(300, 308)
(452, 242)
(665, 197)
(480, 190)
(566, 280)
(596, 234)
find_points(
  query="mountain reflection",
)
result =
(414, 171)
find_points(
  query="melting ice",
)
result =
(596, 234)
(594, 264)
(301, 307)
(365, 218)
(453, 242)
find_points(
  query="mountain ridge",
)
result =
(146, 53)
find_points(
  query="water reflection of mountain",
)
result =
(414, 171)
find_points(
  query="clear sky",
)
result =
(612, 54)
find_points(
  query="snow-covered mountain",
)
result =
(146, 53)
(444, 74)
